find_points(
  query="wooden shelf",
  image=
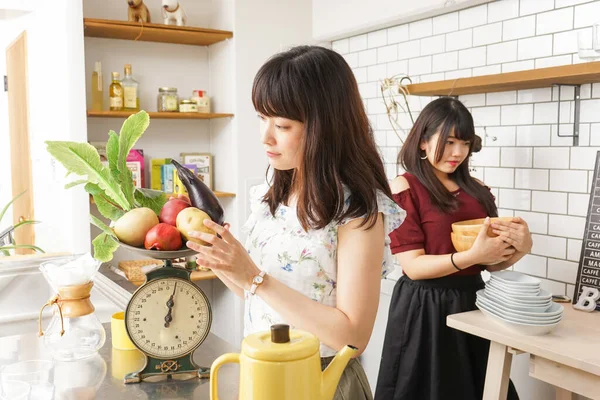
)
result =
(158, 115)
(216, 192)
(104, 28)
(575, 74)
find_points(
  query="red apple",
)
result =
(163, 237)
(168, 214)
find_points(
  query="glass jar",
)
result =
(188, 106)
(168, 100)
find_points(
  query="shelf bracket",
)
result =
(576, 112)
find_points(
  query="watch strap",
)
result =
(255, 285)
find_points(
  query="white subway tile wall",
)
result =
(533, 173)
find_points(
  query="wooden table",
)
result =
(568, 357)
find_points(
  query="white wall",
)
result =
(258, 34)
(56, 112)
(335, 19)
(533, 173)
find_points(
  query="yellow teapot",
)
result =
(283, 365)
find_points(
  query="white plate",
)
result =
(516, 318)
(518, 292)
(515, 278)
(542, 297)
(540, 307)
(523, 329)
(554, 311)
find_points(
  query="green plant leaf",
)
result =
(23, 246)
(112, 154)
(105, 228)
(5, 252)
(27, 222)
(133, 128)
(83, 159)
(104, 247)
(9, 203)
(104, 206)
(75, 183)
(153, 199)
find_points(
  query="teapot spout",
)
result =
(332, 374)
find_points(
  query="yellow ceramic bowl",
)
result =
(473, 226)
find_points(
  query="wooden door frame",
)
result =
(18, 128)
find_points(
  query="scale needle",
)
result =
(170, 304)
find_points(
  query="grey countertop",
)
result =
(101, 376)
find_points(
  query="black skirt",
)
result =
(423, 358)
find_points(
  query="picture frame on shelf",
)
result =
(204, 166)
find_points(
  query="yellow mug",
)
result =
(120, 339)
(125, 362)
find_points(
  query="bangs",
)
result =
(461, 126)
(272, 93)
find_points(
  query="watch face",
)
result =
(258, 280)
(168, 318)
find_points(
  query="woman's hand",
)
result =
(226, 255)
(488, 250)
(515, 232)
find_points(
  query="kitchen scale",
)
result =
(167, 319)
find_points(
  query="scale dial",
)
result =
(168, 318)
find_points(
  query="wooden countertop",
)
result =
(575, 341)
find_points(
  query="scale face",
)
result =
(168, 332)
(167, 318)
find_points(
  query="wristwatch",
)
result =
(257, 281)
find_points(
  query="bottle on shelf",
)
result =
(116, 93)
(131, 99)
(97, 88)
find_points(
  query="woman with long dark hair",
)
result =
(318, 243)
(422, 357)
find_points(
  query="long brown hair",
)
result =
(445, 115)
(316, 86)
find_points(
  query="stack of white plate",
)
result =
(517, 302)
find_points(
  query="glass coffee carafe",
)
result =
(75, 332)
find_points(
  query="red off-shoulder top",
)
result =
(426, 227)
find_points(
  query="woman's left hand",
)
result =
(226, 255)
(515, 232)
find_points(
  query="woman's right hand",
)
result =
(490, 250)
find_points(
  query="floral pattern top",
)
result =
(304, 261)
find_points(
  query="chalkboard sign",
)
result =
(589, 262)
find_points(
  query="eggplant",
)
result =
(200, 195)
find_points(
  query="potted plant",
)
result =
(7, 241)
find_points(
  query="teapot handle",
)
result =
(214, 369)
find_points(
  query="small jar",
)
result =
(188, 106)
(202, 100)
(168, 100)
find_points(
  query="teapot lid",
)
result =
(280, 344)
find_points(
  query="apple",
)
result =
(192, 219)
(163, 237)
(169, 212)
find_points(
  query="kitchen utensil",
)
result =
(283, 364)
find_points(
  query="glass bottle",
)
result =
(131, 99)
(97, 88)
(116, 93)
